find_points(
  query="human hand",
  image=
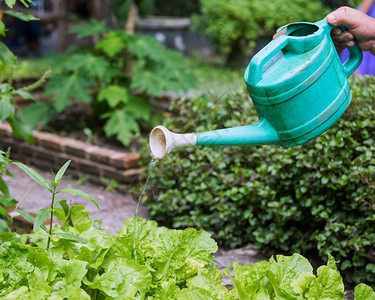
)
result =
(360, 26)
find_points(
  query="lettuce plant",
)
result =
(86, 262)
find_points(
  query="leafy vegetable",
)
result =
(145, 261)
(364, 292)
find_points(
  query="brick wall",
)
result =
(95, 163)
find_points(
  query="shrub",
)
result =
(234, 25)
(310, 198)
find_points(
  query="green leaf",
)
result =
(65, 207)
(112, 44)
(39, 288)
(363, 292)
(80, 218)
(2, 28)
(114, 94)
(21, 129)
(283, 271)
(10, 3)
(122, 124)
(3, 228)
(73, 272)
(20, 15)
(64, 87)
(37, 112)
(6, 107)
(72, 237)
(92, 28)
(123, 278)
(24, 94)
(331, 262)
(5, 190)
(61, 172)
(29, 218)
(26, 215)
(3, 212)
(145, 46)
(26, 2)
(79, 193)
(139, 108)
(329, 285)
(7, 201)
(41, 217)
(34, 175)
(7, 58)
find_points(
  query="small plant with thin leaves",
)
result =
(5, 199)
(51, 186)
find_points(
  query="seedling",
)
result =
(51, 186)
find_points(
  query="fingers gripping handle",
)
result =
(356, 55)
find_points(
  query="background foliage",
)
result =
(234, 25)
(316, 198)
(100, 75)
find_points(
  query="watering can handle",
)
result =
(254, 74)
(356, 55)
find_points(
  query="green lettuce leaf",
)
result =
(363, 292)
(123, 278)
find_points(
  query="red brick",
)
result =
(128, 176)
(87, 167)
(99, 154)
(125, 160)
(76, 148)
(5, 130)
(49, 140)
(44, 155)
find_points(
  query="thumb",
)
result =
(345, 16)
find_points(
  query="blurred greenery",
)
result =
(235, 25)
(29, 67)
(210, 77)
(216, 78)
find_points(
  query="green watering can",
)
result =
(299, 88)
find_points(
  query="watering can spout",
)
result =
(163, 141)
(260, 133)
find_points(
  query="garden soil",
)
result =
(115, 208)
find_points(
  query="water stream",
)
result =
(152, 164)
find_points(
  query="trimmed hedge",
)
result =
(313, 198)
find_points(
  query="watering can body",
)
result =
(298, 83)
(299, 88)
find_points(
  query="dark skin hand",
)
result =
(360, 26)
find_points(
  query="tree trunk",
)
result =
(131, 19)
